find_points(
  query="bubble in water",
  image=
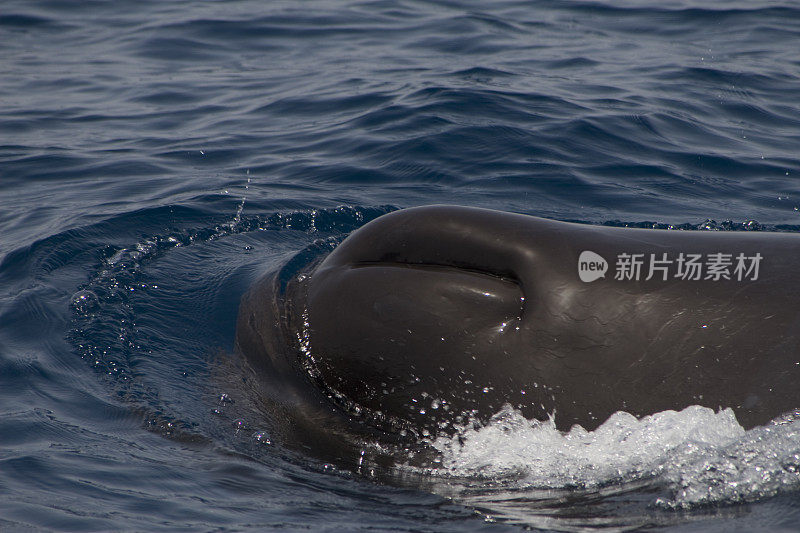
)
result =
(84, 302)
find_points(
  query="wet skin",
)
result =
(426, 316)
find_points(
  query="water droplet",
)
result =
(262, 437)
(224, 398)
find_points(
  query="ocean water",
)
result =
(156, 158)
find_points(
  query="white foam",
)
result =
(700, 455)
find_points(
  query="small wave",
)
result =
(694, 457)
(138, 294)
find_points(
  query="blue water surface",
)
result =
(156, 158)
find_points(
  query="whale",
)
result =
(431, 318)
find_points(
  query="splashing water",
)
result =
(698, 455)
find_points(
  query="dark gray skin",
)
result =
(426, 316)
